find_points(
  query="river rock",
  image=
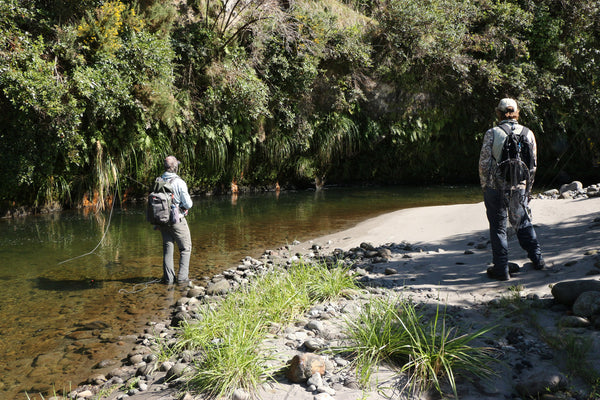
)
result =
(145, 369)
(567, 292)
(573, 321)
(177, 371)
(178, 318)
(218, 288)
(136, 359)
(314, 344)
(567, 195)
(197, 291)
(367, 246)
(97, 379)
(86, 394)
(315, 380)
(385, 253)
(573, 186)
(105, 363)
(49, 360)
(240, 394)
(538, 384)
(587, 304)
(303, 366)
(593, 191)
(316, 326)
(124, 372)
(80, 335)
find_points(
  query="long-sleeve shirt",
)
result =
(180, 190)
(491, 150)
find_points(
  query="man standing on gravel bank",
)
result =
(497, 196)
(178, 231)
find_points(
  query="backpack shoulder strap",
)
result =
(506, 129)
(159, 184)
(500, 134)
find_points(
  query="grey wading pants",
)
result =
(179, 234)
(497, 214)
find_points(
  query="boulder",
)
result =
(587, 304)
(573, 186)
(567, 292)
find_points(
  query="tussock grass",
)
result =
(229, 333)
(376, 338)
(391, 331)
(575, 350)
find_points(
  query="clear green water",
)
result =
(60, 319)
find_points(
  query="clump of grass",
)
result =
(436, 351)
(54, 393)
(376, 338)
(231, 361)
(325, 283)
(162, 348)
(576, 349)
(228, 334)
(513, 297)
(394, 333)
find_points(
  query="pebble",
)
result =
(240, 394)
(573, 321)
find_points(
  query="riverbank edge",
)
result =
(10, 212)
(84, 390)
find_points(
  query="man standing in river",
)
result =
(177, 232)
(497, 195)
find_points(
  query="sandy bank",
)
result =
(565, 229)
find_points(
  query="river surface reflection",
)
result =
(64, 311)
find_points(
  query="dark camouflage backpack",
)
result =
(516, 161)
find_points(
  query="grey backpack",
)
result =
(160, 201)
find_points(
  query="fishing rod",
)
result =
(103, 235)
(135, 288)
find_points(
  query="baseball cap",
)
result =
(507, 104)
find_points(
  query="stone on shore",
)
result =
(567, 292)
(573, 186)
(303, 366)
(220, 287)
(535, 385)
(587, 304)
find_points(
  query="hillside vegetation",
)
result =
(94, 94)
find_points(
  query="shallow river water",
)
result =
(63, 311)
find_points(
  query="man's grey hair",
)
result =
(171, 164)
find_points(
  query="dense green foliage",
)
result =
(94, 93)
